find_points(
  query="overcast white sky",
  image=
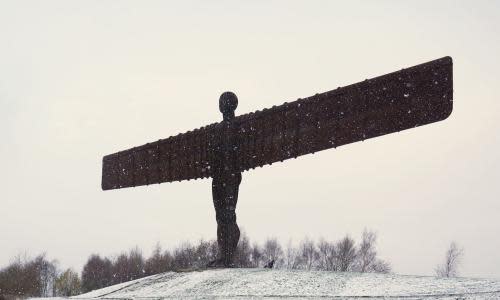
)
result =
(82, 79)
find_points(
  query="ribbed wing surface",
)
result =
(181, 157)
(405, 99)
(397, 101)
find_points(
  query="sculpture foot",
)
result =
(220, 263)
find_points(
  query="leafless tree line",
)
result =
(40, 277)
(28, 277)
(341, 256)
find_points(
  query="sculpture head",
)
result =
(227, 104)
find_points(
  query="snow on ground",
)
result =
(296, 284)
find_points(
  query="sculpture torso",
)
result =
(225, 184)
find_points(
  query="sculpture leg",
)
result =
(225, 196)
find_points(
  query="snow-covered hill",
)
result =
(279, 284)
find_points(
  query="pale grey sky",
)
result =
(81, 79)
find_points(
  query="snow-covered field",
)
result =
(280, 284)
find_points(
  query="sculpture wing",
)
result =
(397, 101)
(182, 157)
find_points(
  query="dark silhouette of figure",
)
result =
(225, 185)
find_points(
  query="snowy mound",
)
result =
(279, 284)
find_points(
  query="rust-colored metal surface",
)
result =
(390, 103)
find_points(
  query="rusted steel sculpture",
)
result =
(390, 103)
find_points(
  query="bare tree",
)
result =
(451, 262)
(28, 277)
(346, 254)
(291, 259)
(12, 278)
(205, 252)
(256, 255)
(308, 254)
(47, 274)
(68, 284)
(381, 266)
(158, 262)
(120, 268)
(272, 251)
(243, 255)
(327, 255)
(136, 264)
(184, 256)
(97, 273)
(367, 255)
